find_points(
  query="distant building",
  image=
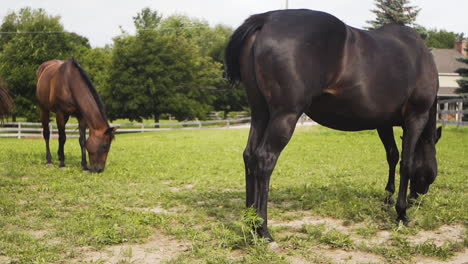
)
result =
(446, 62)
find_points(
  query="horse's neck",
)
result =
(88, 107)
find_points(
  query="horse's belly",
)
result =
(350, 115)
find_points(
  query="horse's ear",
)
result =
(438, 134)
(111, 131)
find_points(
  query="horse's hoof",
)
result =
(49, 165)
(404, 220)
(266, 235)
(62, 167)
(389, 201)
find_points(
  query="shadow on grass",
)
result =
(339, 200)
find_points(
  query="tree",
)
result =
(160, 70)
(441, 39)
(393, 11)
(97, 63)
(227, 97)
(35, 37)
(463, 82)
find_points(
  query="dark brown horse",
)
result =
(302, 61)
(6, 103)
(64, 87)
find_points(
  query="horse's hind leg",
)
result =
(62, 119)
(277, 134)
(391, 149)
(257, 128)
(46, 133)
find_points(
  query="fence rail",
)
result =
(28, 129)
(445, 116)
(452, 112)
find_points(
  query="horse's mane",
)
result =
(93, 90)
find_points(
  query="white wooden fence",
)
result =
(452, 112)
(26, 129)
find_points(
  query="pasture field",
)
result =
(178, 197)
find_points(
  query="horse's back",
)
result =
(342, 77)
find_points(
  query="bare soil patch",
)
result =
(159, 248)
(181, 188)
(4, 260)
(325, 254)
(441, 235)
(459, 258)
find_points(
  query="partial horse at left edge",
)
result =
(64, 87)
(6, 103)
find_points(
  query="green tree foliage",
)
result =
(463, 82)
(26, 47)
(97, 63)
(393, 11)
(227, 98)
(160, 70)
(441, 39)
(212, 42)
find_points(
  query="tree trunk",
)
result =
(156, 120)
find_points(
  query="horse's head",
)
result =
(425, 164)
(98, 145)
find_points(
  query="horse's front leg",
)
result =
(412, 129)
(62, 119)
(82, 139)
(391, 149)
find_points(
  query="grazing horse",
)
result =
(64, 87)
(6, 103)
(302, 61)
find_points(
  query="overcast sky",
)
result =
(99, 20)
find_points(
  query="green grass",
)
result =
(48, 215)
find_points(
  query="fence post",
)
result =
(142, 127)
(228, 124)
(461, 112)
(446, 116)
(199, 123)
(19, 130)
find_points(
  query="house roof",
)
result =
(445, 60)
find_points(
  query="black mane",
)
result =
(93, 90)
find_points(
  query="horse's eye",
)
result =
(104, 148)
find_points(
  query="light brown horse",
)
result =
(64, 87)
(6, 103)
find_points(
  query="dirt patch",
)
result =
(459, 258)
(324, 254)
(38, 233)
(156, 210)
(159, 248)
(311, 220)
(440, 236)
(351, 257)
(181, 188)
(4, 260)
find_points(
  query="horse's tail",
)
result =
(6, 103)
(234, 47)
